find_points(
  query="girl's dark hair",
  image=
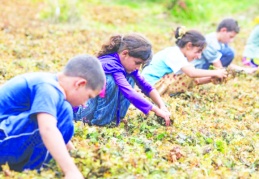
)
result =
(193, 36)
(137, 45)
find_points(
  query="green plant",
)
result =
(61, 11)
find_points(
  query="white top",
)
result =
(169, 60)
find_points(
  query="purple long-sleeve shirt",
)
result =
(111, 65)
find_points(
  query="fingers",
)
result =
(224, 73)
(167, 121)
(165, 115)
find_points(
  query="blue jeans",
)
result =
(103, 111)
(226, 58)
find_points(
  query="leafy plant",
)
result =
(216, 127)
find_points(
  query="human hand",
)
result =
(216, 80)
(221, 73)
(164, 114)
(250, 70)
(73, 175)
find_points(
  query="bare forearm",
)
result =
(200, 81)
(236, 67)
(198, 73)
(70, 146)
(217, 64)
(240, 68)
(54, 142)
(154, 95)
(57, 149)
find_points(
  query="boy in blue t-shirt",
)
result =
(36, 117)
(218, 52)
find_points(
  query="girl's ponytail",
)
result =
(112, 46)
(183, 36)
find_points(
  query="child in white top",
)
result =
(176, 60)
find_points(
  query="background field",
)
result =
(216, 127)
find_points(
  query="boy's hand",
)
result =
(54, 142)
(74, 175)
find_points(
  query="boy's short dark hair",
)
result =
(87, 67)
(230, 24)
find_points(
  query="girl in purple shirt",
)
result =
(121, 58)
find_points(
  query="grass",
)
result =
(215, 132)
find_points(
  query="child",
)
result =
(218, 53)
(251, 52)
(172, 61)
(36, 118)
(121, 59)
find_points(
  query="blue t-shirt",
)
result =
(21, 98)
(26, 95)
(169, 60)
(211, 53)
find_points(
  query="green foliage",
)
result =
(61, 11)
(198, 11)
(188, 12)
(216, 127)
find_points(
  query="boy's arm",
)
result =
(70, 146)
(55, 144)
(240, 68)
(217, 64)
